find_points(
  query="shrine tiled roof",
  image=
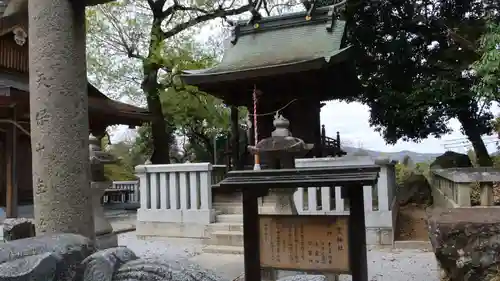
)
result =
(118, 112)
(281, 43)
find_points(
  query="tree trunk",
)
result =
(474, 136)
(160, 129)
(160, 134)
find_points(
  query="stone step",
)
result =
(415, 245)
(237, 208)
(219, 249)
(229, 208)
(225, 226)
(226, 238)
(230, 218)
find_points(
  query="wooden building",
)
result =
(295, 61)
(15, 147)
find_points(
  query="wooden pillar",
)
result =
(317, 131)
(235, 139)
(357, 234)
(251, 235)
(11, 175)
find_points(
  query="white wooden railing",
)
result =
(182, 193)
(133, 196)
(379, 201)
(176, 193)
(377, 198)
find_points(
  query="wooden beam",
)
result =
(11, 171)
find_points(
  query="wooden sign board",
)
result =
(308, 243)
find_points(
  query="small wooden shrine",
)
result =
(15, 146)
(294, 62)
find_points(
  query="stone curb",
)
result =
(124, 230)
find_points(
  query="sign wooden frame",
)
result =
(305, 243)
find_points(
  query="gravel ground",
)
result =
(383, 264)
(400, 265)
(169, 249)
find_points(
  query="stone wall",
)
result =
(466, 243)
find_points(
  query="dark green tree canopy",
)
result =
(413, 58)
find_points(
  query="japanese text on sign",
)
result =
(304, 242)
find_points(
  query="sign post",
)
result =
(316, 244)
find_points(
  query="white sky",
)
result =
(352, 121)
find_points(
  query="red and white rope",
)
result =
(255, 129)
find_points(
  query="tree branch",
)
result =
(206, 17)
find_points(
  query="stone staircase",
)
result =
(226, 234)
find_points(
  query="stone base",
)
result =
(269, 274)
(105, 241)
(172, 229)
(175, 216)
(379, 236)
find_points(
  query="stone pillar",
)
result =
(59, 118)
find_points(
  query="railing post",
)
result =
(206, 189)
(325, 199)
(339, 201)
(463, 195)
(140, 172)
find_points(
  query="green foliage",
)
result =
(413, 60)
(488, 66)
(406, 169)
(136, 53)
(129, 154)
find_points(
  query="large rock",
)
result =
(19, 228)
(121, 264)
(451, 159)
(466, 242)
(50, 257)
(415, 189)
(68, 257)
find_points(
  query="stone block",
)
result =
(466, 242)
(105, 241)
(20, 228)
(49, 257)
(36, 267)
(305, 277)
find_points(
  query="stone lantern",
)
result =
(105, 238)
(280, 151)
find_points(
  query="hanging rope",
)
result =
(272, 112)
